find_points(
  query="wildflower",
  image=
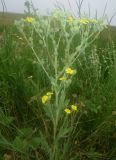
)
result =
(49, 93)
(29, 19)
(70, 19)
(67, 111)
(45, 99)
(70, 71)
(83, 21)
(62, 78)
(93, 20)
(74, 107)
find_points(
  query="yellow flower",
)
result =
(44, 99)
(83, 21)
(74, 107)
(68, 111)
(49, 93)
(93, 20)
(69, 71)
(62, 78)
(70, 19)
(29, 19)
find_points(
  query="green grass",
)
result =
(9, 18)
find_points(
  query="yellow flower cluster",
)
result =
(29, 19)
(93, 20)
(69, 71)
(63, 78)
(70, 19)
(73, 108)
(86, 21)
(67, 110)
(46, 97)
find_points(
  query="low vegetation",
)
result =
(57, 88)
